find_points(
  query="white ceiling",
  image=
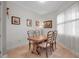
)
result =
(46, 7)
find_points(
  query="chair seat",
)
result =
(44, 45)
(31, 42)
(54, 41)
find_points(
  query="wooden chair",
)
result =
(30, 33)
(54, 38)
(37, 32)
(41, 32)
(47, 44)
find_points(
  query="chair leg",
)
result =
(29, 45)
(55, 45)
(37, 49)
(52, 47)
(46, 52)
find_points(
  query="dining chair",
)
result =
(47, 44)
(41, 32)
(37, 32)
(54, 38)
(30, 33)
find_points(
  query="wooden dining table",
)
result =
(37, 40)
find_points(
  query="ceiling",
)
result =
(46, 7)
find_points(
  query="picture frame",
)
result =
(15, 20)
(29, 22)
(48, 24)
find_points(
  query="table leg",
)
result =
(35, 51)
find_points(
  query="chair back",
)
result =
(50, 36)
(54, 35)
(30, 33)
(37, 32)
(41, 32)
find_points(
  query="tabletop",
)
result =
(38, 38)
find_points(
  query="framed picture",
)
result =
(15, 20)
(48, 24)
(37, 23)
(29, 22)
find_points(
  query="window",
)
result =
(69, 28)
(77, 28)
(60, 29)
(60, 18)
(68, 21)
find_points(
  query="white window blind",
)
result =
(68, 21)
(77, 28)
(60, 29)
(60, 18)
(69, 28)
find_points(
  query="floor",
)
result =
(23, 52)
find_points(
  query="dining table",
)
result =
(37, 40)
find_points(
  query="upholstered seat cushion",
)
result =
(44, 45)
(31, 41)
(54, 41)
